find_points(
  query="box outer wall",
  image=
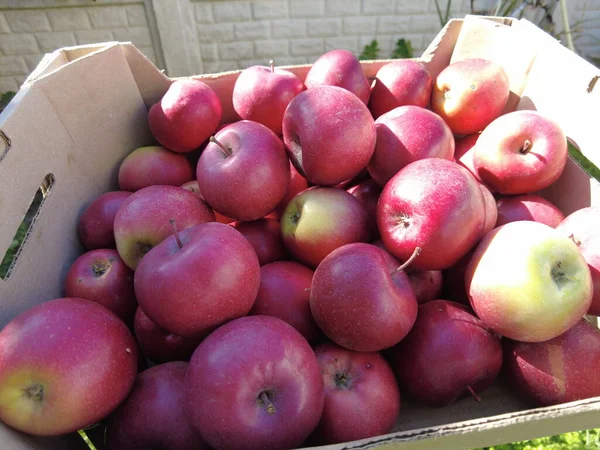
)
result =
(81, 134)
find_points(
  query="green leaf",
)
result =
(403, 49)
(370, 51)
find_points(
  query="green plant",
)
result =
(5, 99)
(403, 49)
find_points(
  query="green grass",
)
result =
(582, 440)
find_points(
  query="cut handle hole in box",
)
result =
(26, 227)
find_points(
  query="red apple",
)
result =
(340, 146)
(470, 94)
(64, 365)
(198, 279)
(195, 188)
(297, 184)
(339, 68)
(321, 219)
(528, 282)
(427, 284)
(148, 166)
(463, 153)
(271, 398)
(244, 172)
(284, 293)
(262, 94)
(520, 153)
(360, 299)
(154, 416)
(434, 204)
(143, 220)
(563, 369)
(186, 116)
(528, 207)
(102, 277)
(355, 382)
(399, 83)
(449, 353)
(491, 210)
(160, 345)
(95, 226)
(407, 134)
(582, 225)
(367, 193)
(265, 237)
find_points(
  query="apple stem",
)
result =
(526, 146)
(409, 261)
(576, 241)
(176, 232)
(474, 394)
(226, 150)
(264, 398)
(272, 64)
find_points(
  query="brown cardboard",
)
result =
(84, 109)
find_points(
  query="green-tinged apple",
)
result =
(321, 219)
(520, 153)
(528, 282)
(143, 220)
(64, 365)
(470, 94)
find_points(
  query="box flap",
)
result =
(76, 128)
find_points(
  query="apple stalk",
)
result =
(226, 150)
(176, 233)
(409, 261)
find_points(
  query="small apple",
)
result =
(143, 220)
(463, 153)
(407, 134)
(284, 293)
(198, 279)
(160, 345)
(101, 276)
(321, 219)
(449, 353)
(520, 152)
(244, 171)
(148, 166)
(355, 382)
(582, 227)
(563, 369)
(340, 146)
(470, 94)
(186, 116)
(339, 68)
(400, 83)
(367, 192)
(64, 365)
(265, 237)
(528, 207)
(96, 224)
(262, 94)
(254, 383)
(154, 415)
(362, 299)
(528, 282)
(434, 204)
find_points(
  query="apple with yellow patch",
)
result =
(560, 370)
(528, 282)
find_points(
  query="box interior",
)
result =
(84, 109)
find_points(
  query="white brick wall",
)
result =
(27, 33)
(185, 36)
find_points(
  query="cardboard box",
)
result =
(85, 108)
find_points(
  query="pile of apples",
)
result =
(344, 242)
